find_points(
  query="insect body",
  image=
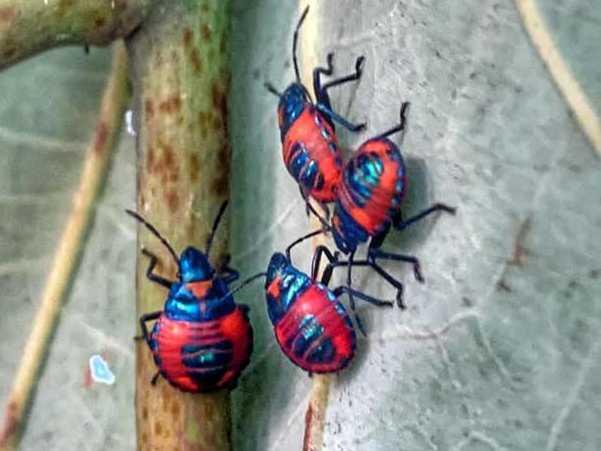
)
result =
(201, 340)
(310, 323)
(309, 145)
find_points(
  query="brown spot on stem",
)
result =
(172, 200)
(150, 158)
(171, 104)
(7, 13)
(194, 167)
(206, 32)
(187, 37)
(195, 60)
(158, 429)
(99, 22)
(102, 133)
(10, 425)
(175, 410)
(64, 6)
(220, 185)
(149, 108)
(203, 123)
(9, 52)
(144, 413)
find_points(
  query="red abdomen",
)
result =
(373, 184)
(202, 356)
(316, 333)
(311, 154)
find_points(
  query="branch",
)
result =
(315, 415)
(67, 255)
(180, 67)
(31, 26)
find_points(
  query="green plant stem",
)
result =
(180, 72)
(31, 26)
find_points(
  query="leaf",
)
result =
(500, 348)
(48, 115)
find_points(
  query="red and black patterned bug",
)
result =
(309, 144)
(368, 203)
(310, 323)
(201, 340)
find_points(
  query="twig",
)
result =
(569, 87)
(67, 255)
(180, 67)
(320, 387)
(28, 27)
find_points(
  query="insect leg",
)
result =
(374, 254)
(310, 209)
(155, 378)
(399, 224)
(337, 118)
(151, 275)
(143, 320)
(347, 78)
(321, 95)
(364, 297)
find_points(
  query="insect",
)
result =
(368, 201)
(310, 323)
(201, 340)
(309, 144)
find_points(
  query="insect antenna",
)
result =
(295, 44)
(397, 128)
(303, 238)
(244, 283)
(215, 225)
(155, 232)
(272, 89)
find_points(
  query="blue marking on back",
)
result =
(183, 305)
(349, 233)
(292, 103)
(362, 175)
(309, 174)
(300, 157)
(292, 284)
(194, 266)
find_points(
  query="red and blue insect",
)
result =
(309, 144)
(310, 323)
(202, 340)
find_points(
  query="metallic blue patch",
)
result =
(292, 284)
(350, 233)
(309, 173)
(183, 305)
(194, 265)
(292, 103)
(207, 356)
(299, 159)
(362, 175)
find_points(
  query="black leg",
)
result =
(392, 281)
(155, 378)
(364, 297)
(337, 118)
(151, 275)
(352, 77)
(399, 224)
(397, 128)
(303, 238)
(375, 254)
(327, 273)
(321, 95)
(144, 319)
(309, 209)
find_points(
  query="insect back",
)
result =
(202, 340)
(310, 147)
